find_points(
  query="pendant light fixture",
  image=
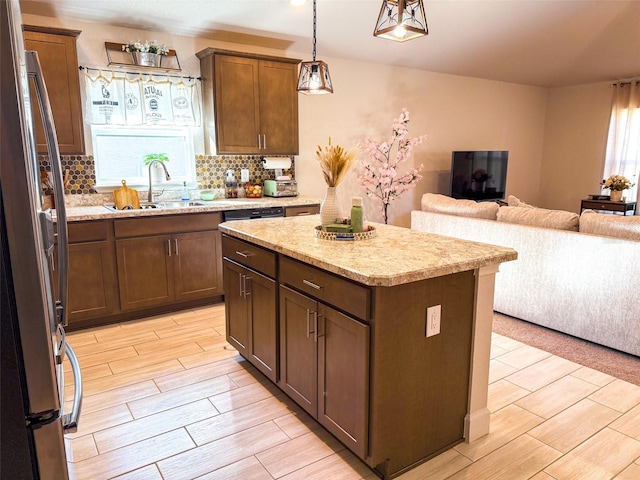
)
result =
(314, 75)
(401, 20)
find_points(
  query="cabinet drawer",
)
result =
(301, 210)
(166, 224)
(87, 232)
(249, 255)
(327, 287)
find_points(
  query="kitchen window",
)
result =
(119, 151)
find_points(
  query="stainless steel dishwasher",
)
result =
(251, 213)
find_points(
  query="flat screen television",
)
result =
(479, 175)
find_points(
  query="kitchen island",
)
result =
(385, 341)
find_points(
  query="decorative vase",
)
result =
(330, 207)
(616, 195)
(147, 59)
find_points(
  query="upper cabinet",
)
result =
(252, 102)
(58, 57)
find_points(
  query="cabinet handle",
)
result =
(241, 278)
(302, 214)
(176, 244)
(243, 254)
(308, 314)
(264, 141)
(315, 331)
(259, 142)
(169, 245)
(246, 290)
(311, 284)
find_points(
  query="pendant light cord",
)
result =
(314, 30)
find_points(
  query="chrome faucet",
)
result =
(166, 174)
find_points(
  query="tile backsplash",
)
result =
(210, 170)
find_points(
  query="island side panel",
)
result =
(419, 385)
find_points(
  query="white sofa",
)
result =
(582, 284)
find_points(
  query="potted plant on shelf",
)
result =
(617, 183)
(148, 54)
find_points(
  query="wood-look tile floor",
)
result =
(168, 398)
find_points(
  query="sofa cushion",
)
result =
(434, 202)
(618, 226)
(539, 217)
(514, 201)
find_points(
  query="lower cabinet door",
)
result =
(236, 307)
(262, 294)
(145, 271)
(197, 274)
(343, 378)
(299, 349)
(92, 281)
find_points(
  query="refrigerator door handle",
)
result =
(70, 420)
(35, 72)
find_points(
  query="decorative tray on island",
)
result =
(366, 235)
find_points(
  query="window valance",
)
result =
(124, 98)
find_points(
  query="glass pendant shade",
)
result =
(314, 78)
(401, 20)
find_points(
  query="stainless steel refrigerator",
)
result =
(32, 339)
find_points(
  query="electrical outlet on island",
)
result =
(433, 320)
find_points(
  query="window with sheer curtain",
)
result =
(623, 143)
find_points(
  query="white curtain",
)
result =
(623, 143)
(114, 98)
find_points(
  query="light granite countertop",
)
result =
(395, 256)
(77, 213)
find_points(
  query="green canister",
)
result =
(357, 220)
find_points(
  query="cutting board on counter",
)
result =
(124, 196)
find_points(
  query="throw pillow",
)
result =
(514, 201)
(609, 225)
(539, 217)
(434, 202)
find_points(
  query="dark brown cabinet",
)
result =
(251, 303)
(92, 280)
(253, 100)
(251, 313)
(324, 366)
(58, 57)
(169, 268)
(357, 357)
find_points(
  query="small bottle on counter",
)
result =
(357, 220)
(185, 192)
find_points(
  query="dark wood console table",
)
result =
(609, 206)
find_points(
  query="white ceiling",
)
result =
(536, 42)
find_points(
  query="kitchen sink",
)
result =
(148, 206)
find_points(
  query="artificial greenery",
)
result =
(150, 157)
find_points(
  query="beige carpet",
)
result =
(613, 362)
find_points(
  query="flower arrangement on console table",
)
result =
(148, 53)
(380, 177)
(616, 184)
(335, 162)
